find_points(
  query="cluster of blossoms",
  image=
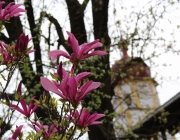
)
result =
(14, 53)
(69, 86)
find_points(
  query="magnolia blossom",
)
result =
(85, 118)
(16, 133)
(26, 110)
(18, 50)
(68, 88)
(81, 52)
(47, 131)
(11, 10)
(22, 43)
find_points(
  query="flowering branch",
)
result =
(71, 87)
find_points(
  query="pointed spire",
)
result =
(123, 46)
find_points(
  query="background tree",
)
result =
(48, 33)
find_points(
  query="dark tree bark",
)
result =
(35, 31)
(100, 24)
(76, 16)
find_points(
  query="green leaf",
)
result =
(3, 102)
(53, 76)
(3, 77)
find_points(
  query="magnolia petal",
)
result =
(17, 132)
(89, 46)
(87, 119)
(52, 128)
(19, 88)
(85, 114)
(64, 86)
(17, 15)
(94, 117)
(82, 75)
(24, 106)
(49, 86)
(96, 122)
(34, 108)
(8, 6)
(82, 90)
(18, 109)
(57, 53)
(16, 12)
(14, 9)
(1, 3)
(63, 90)
(73, 43)
(30, 106)
(87, 88)
(72, 88)
(40, 126)
(83, 117)
(36, 126)
(11, 10)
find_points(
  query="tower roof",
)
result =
(129, 68)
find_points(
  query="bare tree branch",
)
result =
(35, 34)
(5, 38)
(84, 4)
(61, 40)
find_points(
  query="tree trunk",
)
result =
(76, 16)
(100, 24)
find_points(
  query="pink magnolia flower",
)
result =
(26, 110)
(19, 50)
(22, 43)
(81, 52)
(16, 133)
(69, 89)
(46, 130)
(11, 10)
(85, 118)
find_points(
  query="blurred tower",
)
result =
(135, 93)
